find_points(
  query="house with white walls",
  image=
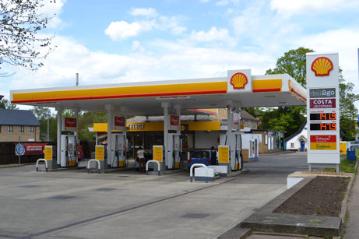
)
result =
(298, 141)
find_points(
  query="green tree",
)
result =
(20, 25)
(287, 119)
(348, 111)
(5, 104)
(43, 114)
(293, 64)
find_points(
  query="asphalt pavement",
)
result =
(74, 204)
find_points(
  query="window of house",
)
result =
(292, 145)
(10, 129)
(32, 129)
(22, 129)
(0, 128)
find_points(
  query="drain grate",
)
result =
(105, 189)
(195, 215)
(62, 197)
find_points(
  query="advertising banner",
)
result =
(322, 103)
(157, 153)
(70, 124)
(48, 152)
(34, 148)
(174, 122)
(100, 152)
(119, 123)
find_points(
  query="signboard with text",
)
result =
(70, 124)
(323, 108)
(119, 123)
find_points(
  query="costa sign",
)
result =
(322, 103)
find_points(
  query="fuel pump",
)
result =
(68, 151)
(234, 141)
(174, 150)
(118, 151)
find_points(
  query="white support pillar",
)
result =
(229, 121)
(77, 139)
(109, 111)
(178, 142)
(59, 131)
(165, 106)
(230, 138)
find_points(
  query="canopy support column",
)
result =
(178, 139)
(165, 106)
(58, 136)
(108, 159)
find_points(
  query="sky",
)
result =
(112, 41)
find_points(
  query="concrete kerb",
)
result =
(344, 213)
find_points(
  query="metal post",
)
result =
(109, 110)
(165, 106)
(48, 129)
(59, 130)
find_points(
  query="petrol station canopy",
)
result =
(239, 88)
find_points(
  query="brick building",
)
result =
(18, 125)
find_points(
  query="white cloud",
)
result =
(213, 34)
(289, 7)
(344, 41)
(118, 30)
(52, 10)
(172, 60)
(143, 12)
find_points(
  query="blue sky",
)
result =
(118, 41)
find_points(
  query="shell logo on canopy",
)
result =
(322, 66)
(239, 80)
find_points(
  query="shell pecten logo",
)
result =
(239, 80)
(322, 66)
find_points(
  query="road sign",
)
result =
(19, 149)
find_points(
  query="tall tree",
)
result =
(43, 114)
(20, 25)
(5, 104)
(287, 119)
(348, 111)
(293, 64)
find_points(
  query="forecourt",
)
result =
(169, 99)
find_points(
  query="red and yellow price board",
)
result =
(323, 142)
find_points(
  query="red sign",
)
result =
(174, 120)
(322, 103)
(120, 121)
(34, 148)
(323, 138)
(70, 123)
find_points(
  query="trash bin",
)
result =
(351, 155)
